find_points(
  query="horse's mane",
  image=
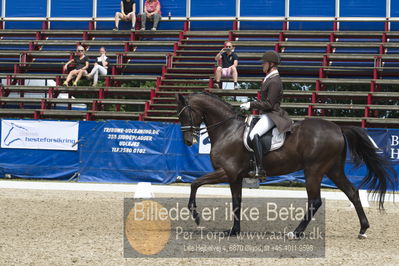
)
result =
(217, 98)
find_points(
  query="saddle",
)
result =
(271, 140)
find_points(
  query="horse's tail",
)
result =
(380, 176)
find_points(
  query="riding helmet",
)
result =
(271, 57)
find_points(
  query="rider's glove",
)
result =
(245, 106)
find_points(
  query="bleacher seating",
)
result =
(346, 77)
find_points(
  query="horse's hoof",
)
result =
(362, 236)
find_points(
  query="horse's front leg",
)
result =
(219, 176)
(236, 194)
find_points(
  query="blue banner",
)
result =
(133, 151)
(122, 151)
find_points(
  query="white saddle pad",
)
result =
(277, 139)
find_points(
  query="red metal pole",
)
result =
(310, 110)
(231, 36)
(277, 47)
(164, 71)
(92, 25)
(85, 36)
(45, 25)
(186, 25)
(318, 85)
(175, 48)
(335, 25)
(332, 37)
(101, 93)
(369, 98)
(152, 95)
(211, 83)
(38, 36)
(133, 36)
(321, 73)
(314, 97)
(235, 24)
(384, 37)
(329, 48)
(158, 83)
(381, 49)
(127, 47)
(386, 24)
(364, 124)
(285, 25)
(146, 108)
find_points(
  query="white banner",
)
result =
(205, 142)
(43, 135)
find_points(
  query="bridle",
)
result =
(198, 131)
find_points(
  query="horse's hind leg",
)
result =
(338, 176)
(219, 176)
(313, 181)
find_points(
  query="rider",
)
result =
(269, 107)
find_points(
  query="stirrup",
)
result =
(261, 174)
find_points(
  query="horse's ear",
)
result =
(180, 99)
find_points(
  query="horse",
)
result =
(316, 146)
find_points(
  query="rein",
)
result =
(197, 130)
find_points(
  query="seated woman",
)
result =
(81, 65)
(152, 12)
(100, 67)
(127, 13)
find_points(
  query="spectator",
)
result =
(81, 65)
(229, 65)
(127, 13)
(100, 67)
(152, 11)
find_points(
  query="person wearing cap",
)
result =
(271, 114)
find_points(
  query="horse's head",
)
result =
(190, 120)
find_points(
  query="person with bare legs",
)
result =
(81, 62)
(127, 13)
(228, 68)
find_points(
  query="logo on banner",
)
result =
(45, 135)
(205, 142)
(394, 147)
(12, 134)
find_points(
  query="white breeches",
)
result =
(96, 70)
(262, 126)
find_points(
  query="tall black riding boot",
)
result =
(258, 152)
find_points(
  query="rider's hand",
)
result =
(245, 106)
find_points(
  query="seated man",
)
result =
(127, 13)
(229, 65)
(152, 11)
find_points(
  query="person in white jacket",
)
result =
(100, 67)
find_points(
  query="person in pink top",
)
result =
(152, 12)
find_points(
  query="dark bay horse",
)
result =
(317, 146)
